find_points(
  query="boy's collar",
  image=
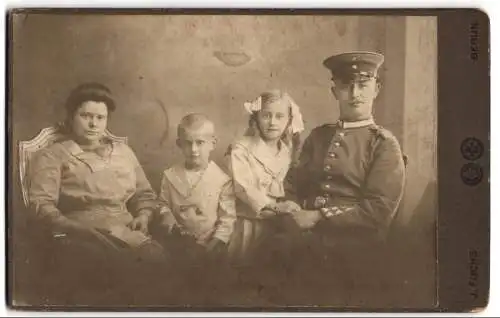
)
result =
(197, 169)
(177, 177)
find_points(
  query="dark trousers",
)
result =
(304, 267)
(206, 276)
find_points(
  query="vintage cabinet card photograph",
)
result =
(248, 160)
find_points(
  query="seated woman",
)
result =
(91, 191)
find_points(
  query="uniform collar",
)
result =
(355, 124)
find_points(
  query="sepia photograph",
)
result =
(222, 160)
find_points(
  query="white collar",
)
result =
(176, 175)
(355, 124)
(271, 161)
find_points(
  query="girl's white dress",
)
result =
(258, 174)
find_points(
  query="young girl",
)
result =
(258, 164)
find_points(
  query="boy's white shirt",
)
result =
(205, 209)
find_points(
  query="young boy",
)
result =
(197, 193)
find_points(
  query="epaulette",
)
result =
(381, 132)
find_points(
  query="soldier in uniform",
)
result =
(350, 176)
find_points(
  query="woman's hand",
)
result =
(141, 222)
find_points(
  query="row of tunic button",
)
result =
(333, 155)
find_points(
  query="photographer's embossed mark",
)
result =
(474, 41)
(473, 273)
(471, 173)
(472, 148)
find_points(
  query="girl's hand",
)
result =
(284, 207)
(288, 207)
(268, 212)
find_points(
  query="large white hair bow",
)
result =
(297, 124)
(253, 106)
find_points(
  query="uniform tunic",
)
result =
(99, 190)
(358, 170)
(355, 167)
(203, 206)
(258, 174)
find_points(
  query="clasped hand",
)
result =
(141, 222)
(283, 207)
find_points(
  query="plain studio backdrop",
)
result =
(161, 67)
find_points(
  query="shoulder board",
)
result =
(381, 132)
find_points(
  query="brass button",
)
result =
(336, 144)
(327, 186)
(326, 195)
(329, 177)
(332, 155)
(341, 134)
(328, 167)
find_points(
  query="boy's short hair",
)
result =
(194, 121)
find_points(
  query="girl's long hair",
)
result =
(292, 140)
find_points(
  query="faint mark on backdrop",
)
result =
(232, 58)
(165, 134)
(341, 27)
